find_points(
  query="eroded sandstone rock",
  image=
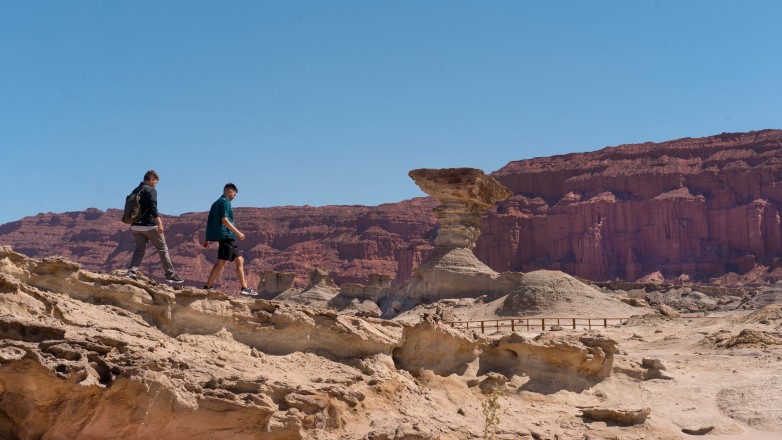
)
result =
(668, 311)
(553, 363)
(624, 417)
(451, 269)
(272, 282)
(547, 291)
(147, 360)
(749, 337)
(464, 194)
(319, 291)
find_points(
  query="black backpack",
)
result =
(133, 213)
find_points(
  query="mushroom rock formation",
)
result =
(451, 269)
(464, 194)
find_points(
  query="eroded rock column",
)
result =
(464, 194)
(451, 269)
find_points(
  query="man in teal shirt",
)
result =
(220, 228)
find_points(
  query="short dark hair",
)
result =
(151, 174)
(230, 185)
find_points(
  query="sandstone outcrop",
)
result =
(273, 283)
(360, 299)
(464, 194)
(319, 291)
(583, 361)
(624, 417)
(90, 356)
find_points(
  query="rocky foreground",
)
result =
(95, 356)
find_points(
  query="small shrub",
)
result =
(492, 414)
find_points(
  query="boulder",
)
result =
(668, 311)
(623, 417)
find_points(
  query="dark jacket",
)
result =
(148, 205)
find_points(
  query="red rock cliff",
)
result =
(695, 207)
(349, 241)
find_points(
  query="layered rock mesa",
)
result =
(701, 208)
(350, 242)
(697, 208)
(451, 269)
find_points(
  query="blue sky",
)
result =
(332, 102)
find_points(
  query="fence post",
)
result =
(498, 325)
(574, 323)
(590, 323)
(542, 324)
(512, 327)
(482, 329)
(605, 322)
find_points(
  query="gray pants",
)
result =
(159, 241)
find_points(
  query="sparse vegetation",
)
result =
(492, 414)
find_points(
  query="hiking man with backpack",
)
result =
(220, 228)
(147, 225)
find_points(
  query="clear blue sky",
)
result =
(332, 102)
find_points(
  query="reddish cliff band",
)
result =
(705, 210)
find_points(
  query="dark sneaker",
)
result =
(208, 288)
(248, 292)
(132, 275)
(174, 279)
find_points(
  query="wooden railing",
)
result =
(534, 323)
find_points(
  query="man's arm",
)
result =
(153, 210)
(231, 227)
(152, 202)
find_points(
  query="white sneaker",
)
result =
(247, 292)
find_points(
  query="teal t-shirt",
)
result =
(215, 229)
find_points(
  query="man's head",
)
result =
(151, 178)
(230, 191)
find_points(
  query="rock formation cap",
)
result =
(467, 184)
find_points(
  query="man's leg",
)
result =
(138, 252)
(216, 269)
(159, 241)
(240, 271)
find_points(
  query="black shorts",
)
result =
(228, 250)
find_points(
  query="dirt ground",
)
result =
(716, 380)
